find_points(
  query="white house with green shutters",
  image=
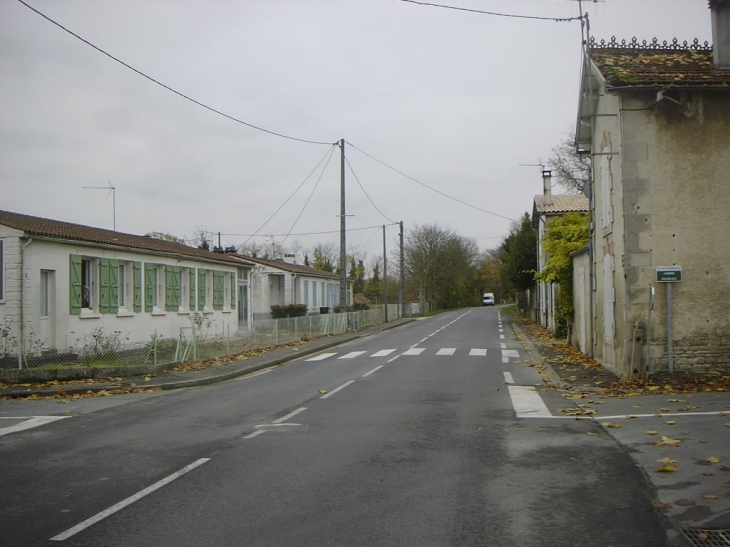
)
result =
(61, 281)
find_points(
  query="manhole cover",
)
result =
(707, 538)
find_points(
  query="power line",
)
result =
(168, 87)
(250, 236)
(556, 19)
(321, 174)
(430, 187)
(366, 194)
(329, 152)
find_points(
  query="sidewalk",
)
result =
(190, 375)
(677, 432)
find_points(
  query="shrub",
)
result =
(288, 310)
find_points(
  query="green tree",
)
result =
(518, 254)
(564, 235)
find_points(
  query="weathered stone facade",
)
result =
(659, 197)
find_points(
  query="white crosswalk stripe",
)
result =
(415, 351)
(321, 356)
(352, 355)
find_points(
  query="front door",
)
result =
(46, 301)
(242, 306)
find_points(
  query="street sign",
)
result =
(668, 274)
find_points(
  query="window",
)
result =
(123, 286)
(324, 294)
(314, 294)
(151, 288)
(87, 284)
(306, 293)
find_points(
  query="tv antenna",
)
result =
(113, 191)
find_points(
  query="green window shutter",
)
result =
(113, 286)
(218, 290)
(201, 289)
(169, 288)
(149, 286)
(104, 285)
(74, 288)
(137, 286)
(191, 289)
(233, 291)
(172, 288)
(176, 292)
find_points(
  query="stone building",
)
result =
(655, 118)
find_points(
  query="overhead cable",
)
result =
(430, 187)
(326, 156)
(168, 87)
(366, 194)
(556, 19)
(321, 174)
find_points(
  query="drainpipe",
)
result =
(21, 344)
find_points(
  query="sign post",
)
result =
(669, 275)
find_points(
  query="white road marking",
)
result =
(382, 353)
(352, 355)
(510, 353)
(293, 413)
(321, 356)
(446, 351)
(527, 402)
(255, 434)
(501, 336)
(478, 352)
(508, 378)
(505, 359)
(503, 345)
(343, 386)
(29, 423)
(129, 501)
(374, 370)
(414, 351)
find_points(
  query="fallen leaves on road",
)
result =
(666, 441)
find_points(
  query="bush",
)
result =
(288, 310)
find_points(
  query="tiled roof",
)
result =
(654, 64)
(293, 268)
(56, 229)
(577, 203)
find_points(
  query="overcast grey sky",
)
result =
(453, 99)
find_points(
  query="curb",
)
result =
(536, 357)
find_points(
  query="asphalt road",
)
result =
(410, 437)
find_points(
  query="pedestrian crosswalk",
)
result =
(412, 352)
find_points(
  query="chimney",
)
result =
(720, 10)
(547, 194)
(290, 258)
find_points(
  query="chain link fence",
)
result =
(106, 349)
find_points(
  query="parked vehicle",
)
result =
(488, 299)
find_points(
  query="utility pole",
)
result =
(402, 284)
(385, 277)
(343, 227)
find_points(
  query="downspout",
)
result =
(21, 345)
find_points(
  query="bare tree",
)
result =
(166, 237)
(571, 170)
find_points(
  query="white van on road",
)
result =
(488, 299)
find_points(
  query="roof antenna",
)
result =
(112, 191)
